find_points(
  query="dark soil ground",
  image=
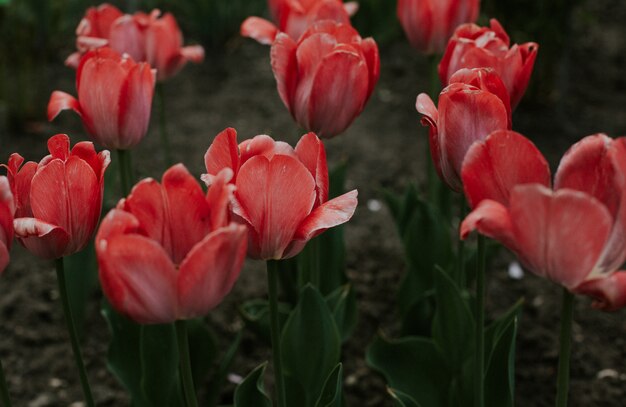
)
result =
(386, 148)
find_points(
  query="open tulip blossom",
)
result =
(114, 98)
(429, 24)
(281, 193)
(473, 46)
(326, 77)
(573, 234)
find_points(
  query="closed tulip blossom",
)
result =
(114, 98)
(326, 77)
(293, 17)
(470, 108)
(169, 251)
(472, 46)
(58, 201)
(574, 233)
(7, 208)
(429, 24)
(281, 193)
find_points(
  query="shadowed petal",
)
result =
(60, 101)
(609, 293)
(310, 151)
(332, 213)
(43, 239)
(223, 153)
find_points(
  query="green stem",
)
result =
(165, 142)
(4, 389)
(461, 245)
(185, 364)
(272, 288)
(567, 316)
(479, 393)
(124, 165)
(311, 267)
(71, 328)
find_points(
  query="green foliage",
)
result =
(342, 304)
(81, 271)
(256, 313)
(401, 399)
(251, 392)
(332, 392)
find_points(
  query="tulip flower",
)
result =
(168, 251)
(429, 24)
(281, 193)
(293, 17)
(470, 108)
(114, 98)
(472, 46)
(7, 208)
(574, 234)
(58, 201)
(326, 77)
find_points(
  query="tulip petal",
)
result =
(503, 160)
(372, 58)
(492, 219)
(259, 29)
(43, 239)
(528, 53)
(310, 151)
(219, 197)
(332, 213)
(210, 270)
(609, 293)
(60, 101)
(4, 256)
(285, 68)
(193, 53)
(135, 105)
(139, 279)
(351, 7)
(223, 153)
(276, 196)
(126, 37)
(73, 60)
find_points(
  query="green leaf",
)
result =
(251, 392)
(256, 313)
(342, 304)
(417, 318)
(413, 366)
(453, 325)
(82, 276)
(311, 347)
(213, 393)
(332, 393)
(159, 365)
(401, 399)
(202, 349)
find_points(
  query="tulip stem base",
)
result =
(272, 289)
(185, 364)
(565, 343)
(479, 374)
(71, 328)
(4, 389)
(165, 141)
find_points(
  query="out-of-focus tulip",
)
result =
(472, 46)
(168, 251)
(574, 235)
(429, 24)
(294, 17)
(114, 98)
(281, 193)
(58, 201)
(164, 44)
(468, 112)
(7, 208)
(326, 78)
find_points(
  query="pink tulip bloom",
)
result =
(281, 193)
(7, 209)
(294, 17)
(429, 24)
(168, 251)
(574, 234)
(58, 201)
(470, 108)
(326, 78)
(472, 46)
(114, 98)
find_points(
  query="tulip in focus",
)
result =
(294, 17)
(114, 98)
(573, 234)
(470, 108)
(281, 193)
(169, 251)
(429, 24)
(7, 208)
(472, 46)
(58, 201)
(326, 77)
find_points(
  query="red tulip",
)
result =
(472, 46)
(114, 98)
(7, 208)
(429, 24)
(574, 235)
(326, 77)
(281, 193)
(58, 201)
(294, 17)
(468, 112)
(168, 251)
